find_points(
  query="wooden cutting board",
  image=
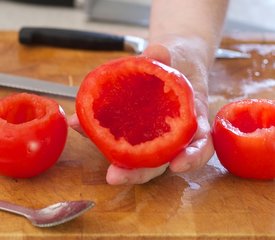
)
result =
(207, 204)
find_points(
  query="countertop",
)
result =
(207, 204)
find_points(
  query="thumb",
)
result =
(73, 122)
(159, 53)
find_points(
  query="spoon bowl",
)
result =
(52, 215)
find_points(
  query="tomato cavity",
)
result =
(136, 107)
(248, 119)
(22, 109)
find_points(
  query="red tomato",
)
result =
(244, 138)
(139, 112)
(33, 133)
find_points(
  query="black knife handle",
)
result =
(65, 3)
(70, 38)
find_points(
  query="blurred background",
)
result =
(121, 16)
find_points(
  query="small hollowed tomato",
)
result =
(33, 132)
(139, 112)
(244, 138)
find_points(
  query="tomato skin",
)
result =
(32, 136)
(158, 149)
(244, 138)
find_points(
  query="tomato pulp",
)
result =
(33, 133)
(139, 112)
(244, 138)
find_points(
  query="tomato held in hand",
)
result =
(33, 133)
(244, 138)
(139, 112)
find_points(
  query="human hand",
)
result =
(188, 57)
(116, 175)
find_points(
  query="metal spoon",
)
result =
(52, 215)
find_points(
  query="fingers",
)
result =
(118, 176)
(194, 156)
(73, 122)
(198, 152)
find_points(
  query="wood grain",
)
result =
(207, 204)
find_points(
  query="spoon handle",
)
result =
(14, 208)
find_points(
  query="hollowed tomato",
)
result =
(33, 133)
(244, 138)
(139, 112)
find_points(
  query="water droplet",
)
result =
(265, 61)
(194, 186)
(257, 74)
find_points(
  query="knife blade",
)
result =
(78, 39)
(231, 54)
(35, 85)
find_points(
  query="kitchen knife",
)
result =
(80, 39)
(40, 86)
(95, 41)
